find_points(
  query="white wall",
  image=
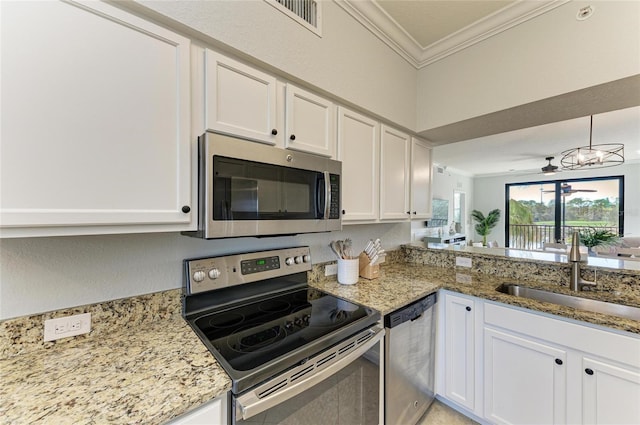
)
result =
(550, 55)
(490, 194)
(43, 274)
(347, 61)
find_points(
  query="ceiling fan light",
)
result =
(601, 155)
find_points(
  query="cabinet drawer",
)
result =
(579, 336)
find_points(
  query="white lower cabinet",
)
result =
(213, 412)
(524, 381)
(460, 350)
(534, 368)
(610, 393)
(539, 369)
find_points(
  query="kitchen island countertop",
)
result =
(401, 283)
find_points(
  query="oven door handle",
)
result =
(250, 404)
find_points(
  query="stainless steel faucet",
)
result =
(576, 283)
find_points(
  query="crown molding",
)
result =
(383, 26)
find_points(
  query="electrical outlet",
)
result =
(63, 327)
(463, 278)
(330, 269)
(463, 261)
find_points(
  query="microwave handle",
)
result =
(327, 195)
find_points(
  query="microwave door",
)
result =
(244, 197)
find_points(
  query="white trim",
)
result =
(376, 20)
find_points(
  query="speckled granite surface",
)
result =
(25, 334)
(401, 283)
(145, 373)
(142, 363)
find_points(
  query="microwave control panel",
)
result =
(334, 208)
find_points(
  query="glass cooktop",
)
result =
(250, 335)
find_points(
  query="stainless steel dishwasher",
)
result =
(409, 361)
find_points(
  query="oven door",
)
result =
(339, 385)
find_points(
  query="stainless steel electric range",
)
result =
(283, 343)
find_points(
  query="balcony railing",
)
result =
(533, 236)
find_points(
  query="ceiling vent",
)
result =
(306, 12)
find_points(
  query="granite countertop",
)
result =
(401, 283)
(150, 374)
(143, 375)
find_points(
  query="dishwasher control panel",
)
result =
(410, 312)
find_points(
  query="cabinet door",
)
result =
(420, 179)
(358, 149)
(95, 122)
(394, 174)
(610, 393)
(310, 122)
(459, 356)
(213, 412)
(525, 381)
(240, 100)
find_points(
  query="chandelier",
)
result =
(597, 156)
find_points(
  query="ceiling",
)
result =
(524, 151)
(513, 141)
(429, 21)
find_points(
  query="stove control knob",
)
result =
(289, 261)
(214, 273)
(288, 325)
(306, 258)
(297, 321)
(306, 318)
(199, 276)
(298, 259)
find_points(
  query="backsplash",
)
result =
(608, 280)
(317, 270)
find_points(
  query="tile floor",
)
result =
(441, 414)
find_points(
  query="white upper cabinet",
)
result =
(95, 122)
(394, 174)
(240, 100)
(310, 122)
(420, 179)
(358, 149)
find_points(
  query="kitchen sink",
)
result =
(579, 303)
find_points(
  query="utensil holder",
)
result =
(367, 270)
(348, 270)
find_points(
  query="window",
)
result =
(550, 211)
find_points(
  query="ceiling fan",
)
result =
(549, 169)
(567, 190)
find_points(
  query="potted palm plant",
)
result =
(485, 224)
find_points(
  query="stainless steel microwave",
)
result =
(250, 189)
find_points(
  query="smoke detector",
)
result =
(584, 13)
